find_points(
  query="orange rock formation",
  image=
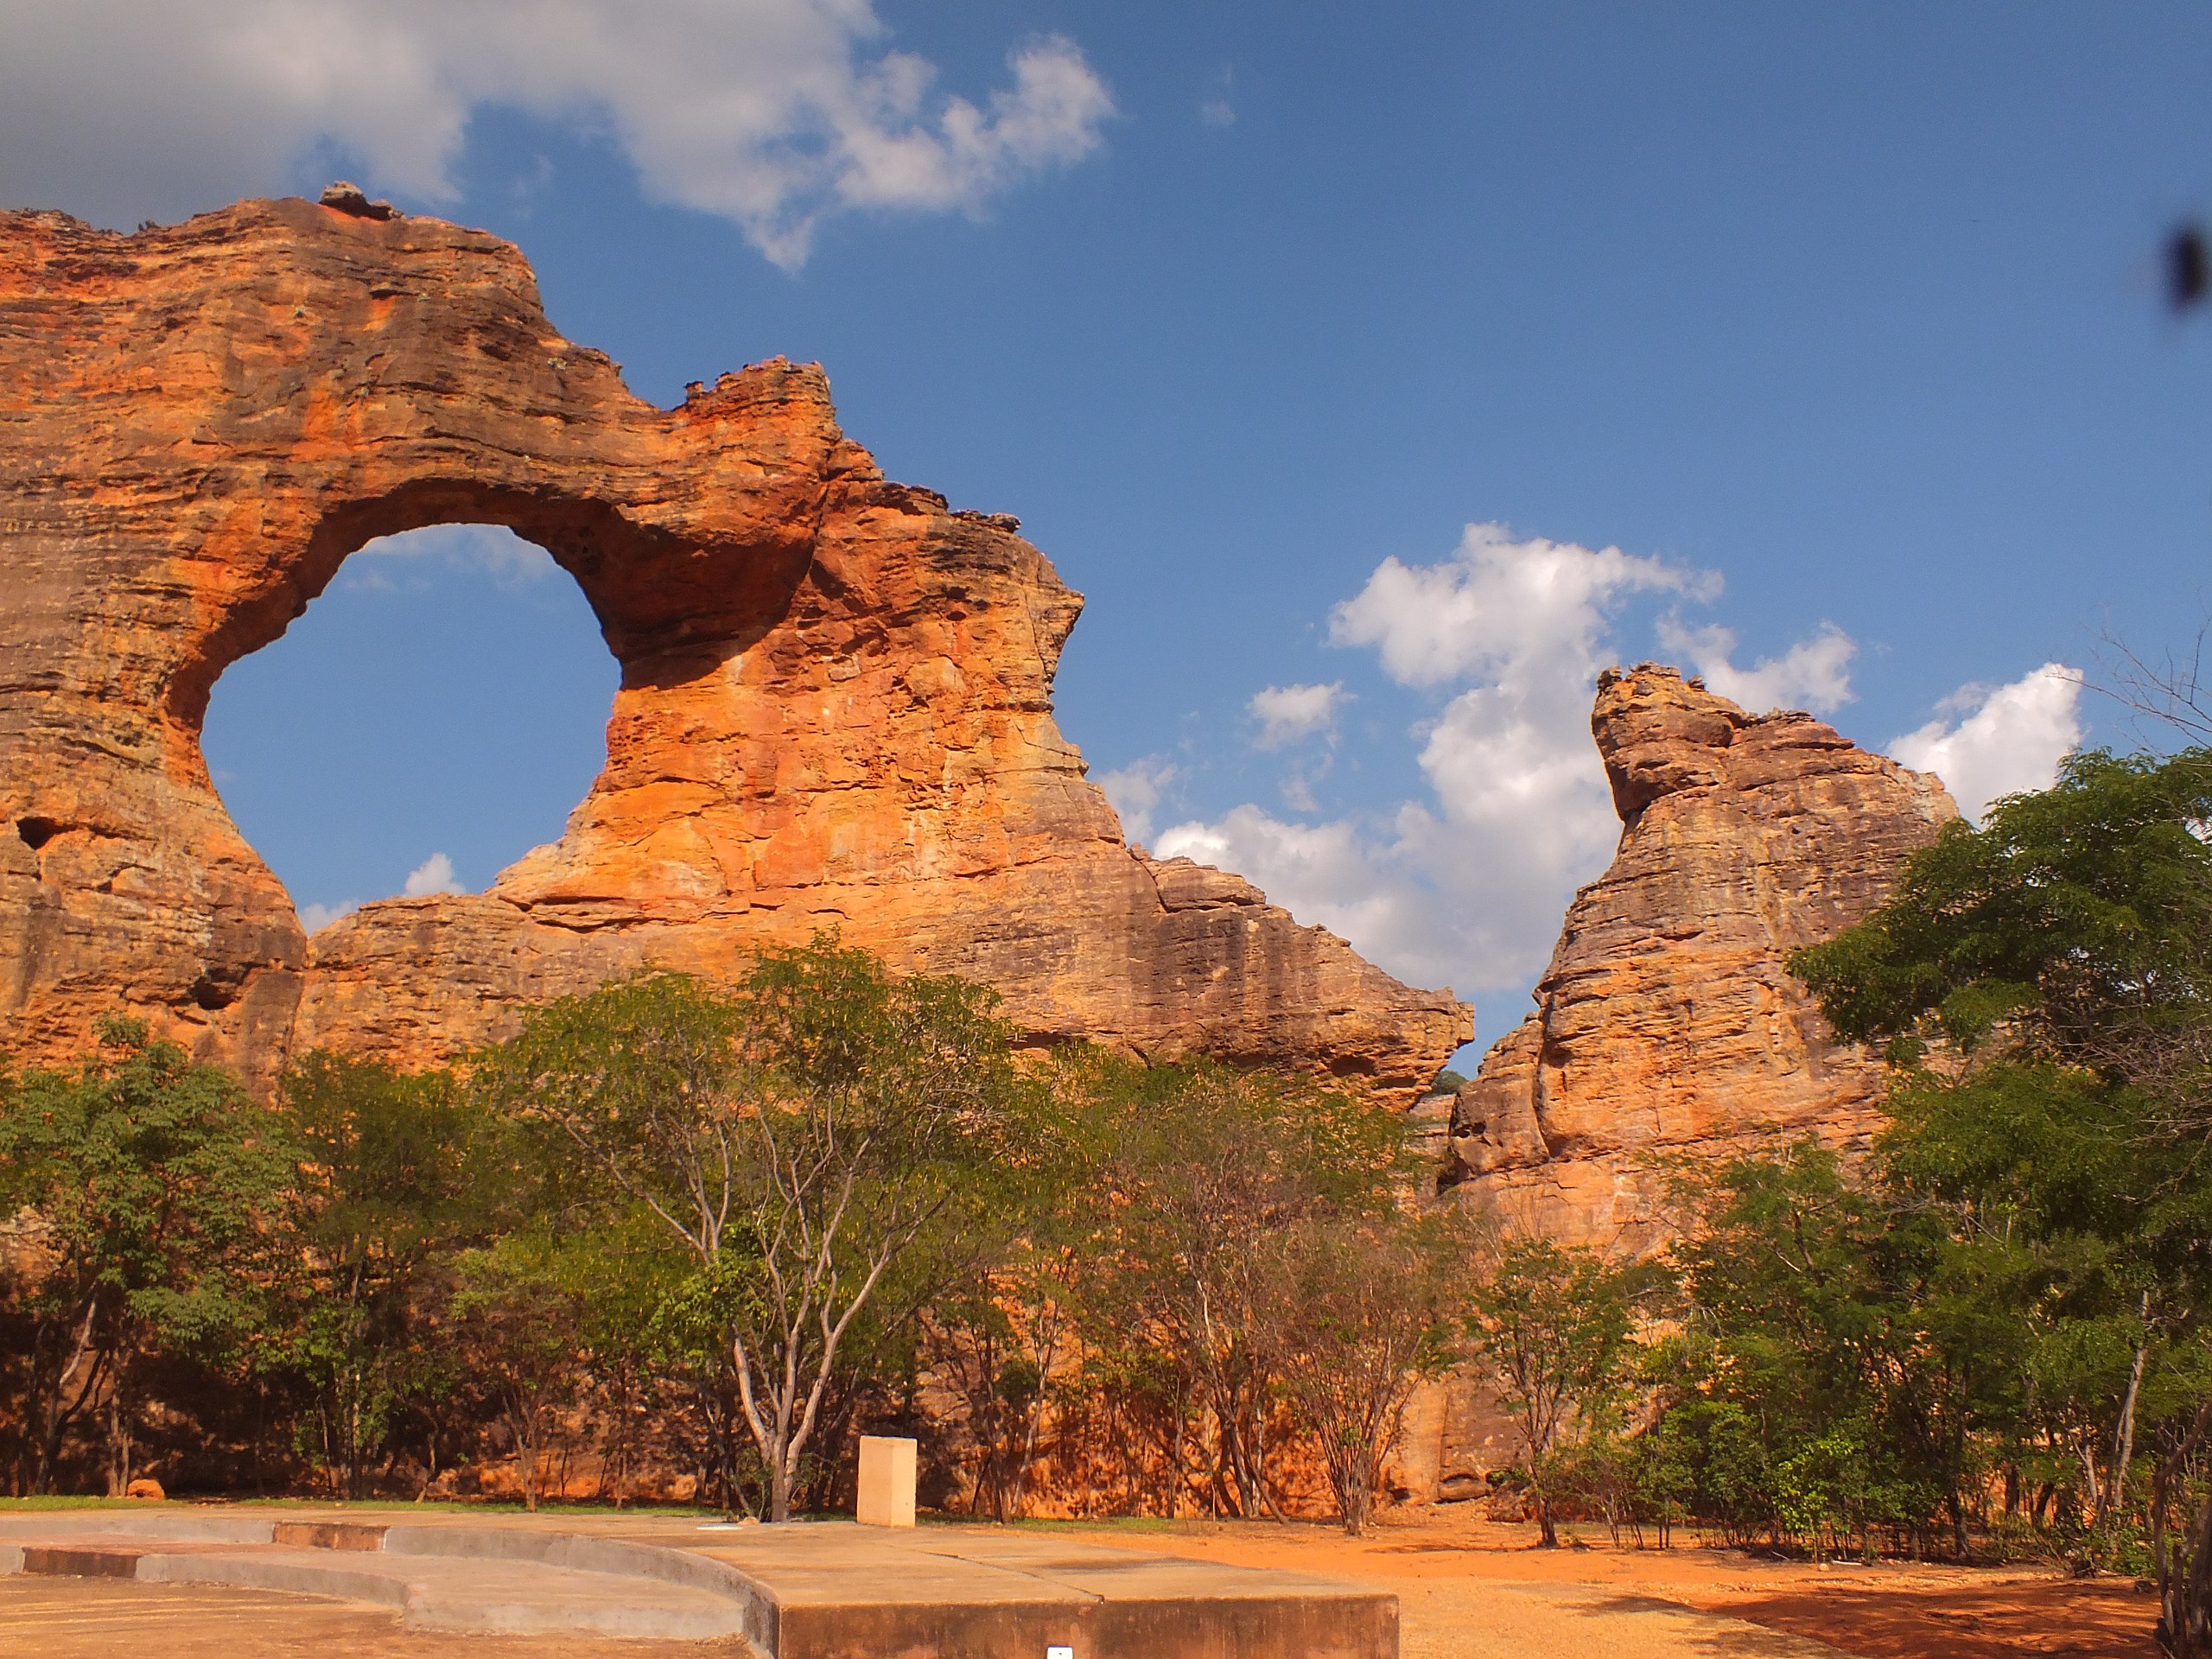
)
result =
(835, 700)
(1666, 1019)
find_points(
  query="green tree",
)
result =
(798, 1135)
(1362, 1306)
(1830, 1313)
(394, 1181)
(1203, 1173)
(2041, 986)
(148, 1187)
(1554, 1326)
(518, 1308)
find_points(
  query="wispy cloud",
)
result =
(1287, 714)
(1214, 109)
(1137, 791)
(405, 562)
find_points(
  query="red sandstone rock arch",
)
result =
(834, 705)
(632, 575)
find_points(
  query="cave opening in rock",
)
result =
(434, 713)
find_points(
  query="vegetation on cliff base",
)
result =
(820, 1142)
(1554, 1326)
(714, 1227)
(2044, 989)
(720, 1228)
(1988, 1331)
(144, 1187)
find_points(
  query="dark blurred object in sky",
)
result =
(2186, 274)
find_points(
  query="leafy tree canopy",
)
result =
(2043, 987)
(151, 1178)
(821, 1137)
(2073, 921)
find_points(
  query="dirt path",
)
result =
(1470, 1589)
(1444, 1619)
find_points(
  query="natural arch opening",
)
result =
(435, 713)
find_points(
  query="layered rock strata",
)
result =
(1666, 1022)
(834, 707)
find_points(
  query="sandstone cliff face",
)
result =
(1666, 1019)
(835, 697)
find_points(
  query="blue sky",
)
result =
(1841, 325)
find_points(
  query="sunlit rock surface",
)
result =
(836, 702)
(1666, 1022)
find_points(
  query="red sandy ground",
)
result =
(1893, 1611)
(1447, 1566)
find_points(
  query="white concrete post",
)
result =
(886, 1494)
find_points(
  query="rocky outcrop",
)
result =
(1666, 1022)
(834, 707)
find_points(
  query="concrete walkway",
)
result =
(461, 1579)
(121, 1619)
(815, 1591)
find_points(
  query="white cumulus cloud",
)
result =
(1466, 887)
(775, 114)
(1465, 884)
(1288, 713)
(1813, 674)
(1499, 609)
(1339, 878)
(433, 875)
(1988, 741)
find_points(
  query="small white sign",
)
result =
(1059, 1652)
